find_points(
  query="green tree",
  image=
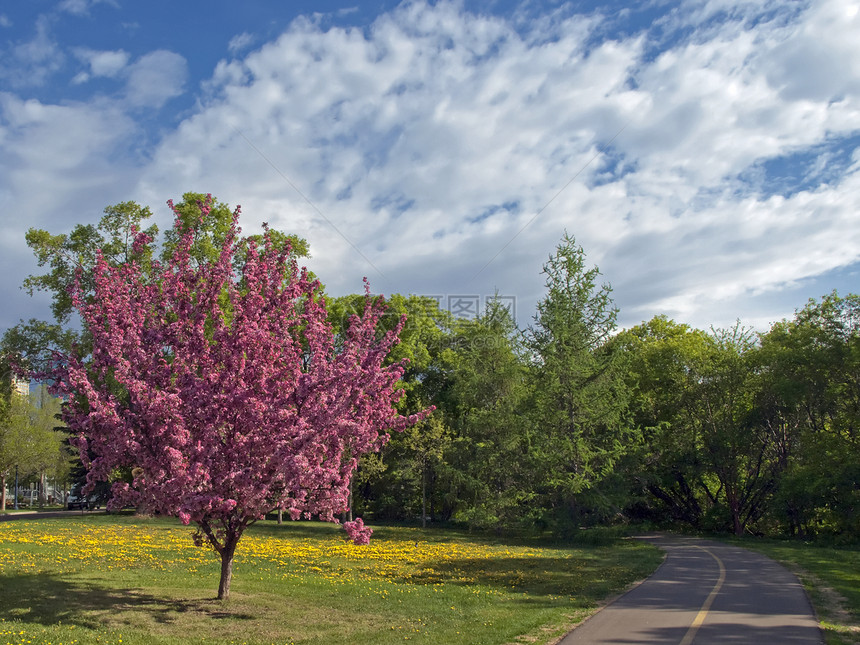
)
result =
(741, 454)
(489, 451)
(13, 422)
(29, 438)
(812, 369)
(711, 452)
(665, 469)
(50, 454)
(33, 342)
(74, 254)
(400, 481)
(579, 400)
(423, 448)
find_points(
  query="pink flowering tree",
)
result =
(223, 392)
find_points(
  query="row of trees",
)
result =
(571, 421)
(565, 422)
(526, 423)
(751, 431)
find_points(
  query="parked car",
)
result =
(82, 503)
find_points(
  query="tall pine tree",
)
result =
(579, 401)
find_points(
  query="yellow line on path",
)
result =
(706, 606)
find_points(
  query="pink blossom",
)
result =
(358, 532)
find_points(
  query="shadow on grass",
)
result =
(442, 534)
(316, 530)
(309, 530)
(48, 599)
(589, 581)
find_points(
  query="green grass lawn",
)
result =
(831, 577)
(122, 579)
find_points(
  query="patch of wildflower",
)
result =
(405, 559)
(72, 544)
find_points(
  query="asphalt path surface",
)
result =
(706, 592)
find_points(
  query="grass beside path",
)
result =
(122, 579)
(34, 509)
(831, 577)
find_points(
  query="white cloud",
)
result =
(4, 20)
(78, 7)
(102, 63)
(82, 7)
(819, 60)
(240, 42)
(108, 63)
(29, 63)
(454, 149)
(155, 78)
(432, 138)
(60, 166)
(52, 152)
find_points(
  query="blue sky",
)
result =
(704, 152)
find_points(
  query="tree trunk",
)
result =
(280, 516)
(227, 554)
(734, 507)
(432, 495)
(738, 526)
(43, 490)
(424, 496)
(3, 492)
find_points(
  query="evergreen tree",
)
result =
(578, 399)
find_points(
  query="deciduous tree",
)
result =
(812, 382)
(223, 392)
(665, 469)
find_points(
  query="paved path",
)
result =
(707, 592)
(37, 515)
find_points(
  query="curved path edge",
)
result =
(706, 592)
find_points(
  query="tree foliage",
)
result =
(813, 400)
(490, 450)
(665, 468)
(749, 432)
(72, 257)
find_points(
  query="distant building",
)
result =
(20, 386)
